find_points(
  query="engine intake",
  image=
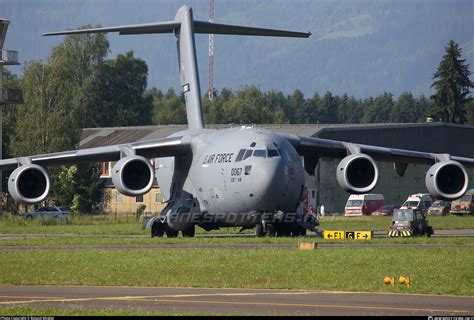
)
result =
(29, 184)
(357, 173)
(447, 180)
(133, 176)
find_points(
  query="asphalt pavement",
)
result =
(235, 301)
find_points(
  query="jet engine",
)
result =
(29, 184)
(133, 176)
(447, 180)
(357, 173)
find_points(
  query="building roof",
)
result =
(96, 137)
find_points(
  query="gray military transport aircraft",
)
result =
(242, 176)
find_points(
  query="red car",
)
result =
(386, 210)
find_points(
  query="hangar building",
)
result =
(323, 188)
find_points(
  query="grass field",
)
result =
(72, 241)
(107, 225)
(435, 271)
(439, 271)
(22, 311)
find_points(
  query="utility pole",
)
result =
(7, 58)
(211, 53)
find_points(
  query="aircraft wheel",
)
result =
(157, 230)
(259, 232)
(283, 231)
(302, 231)
(190, 232)
(270, 230)
(171, 233)
(429, 231)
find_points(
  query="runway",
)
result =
(234, 301)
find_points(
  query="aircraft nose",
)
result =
(268, 175)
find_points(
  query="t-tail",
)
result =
(184, 27)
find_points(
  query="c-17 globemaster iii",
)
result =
(243, 176)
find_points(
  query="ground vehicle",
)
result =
(360, 204)
(420, 201)
(48, 212)
(439, 208)
(409, 222)
(385, 210)
(463, 205)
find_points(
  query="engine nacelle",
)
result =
(357, 173)
(447, 180)
(133, 176)
(29, 184)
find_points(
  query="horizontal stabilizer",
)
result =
(199, 27)
(146, 28)
(216, 28)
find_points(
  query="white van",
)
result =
(360, 204)
(420, 201)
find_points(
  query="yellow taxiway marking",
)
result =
(143, 298)
(243, 294)
(256, 289)
(47, 299)
(31, 297)
(310, 305)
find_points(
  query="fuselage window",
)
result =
(240, 155)
(272, 153)
(248, 169)
(260, 153)
(248, 154)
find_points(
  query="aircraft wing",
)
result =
(167, 147)
(309, 146)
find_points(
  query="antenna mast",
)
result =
(211, 53)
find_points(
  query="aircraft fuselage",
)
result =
(238, 170)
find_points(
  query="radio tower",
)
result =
(211, 53)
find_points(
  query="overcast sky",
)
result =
(358, 47)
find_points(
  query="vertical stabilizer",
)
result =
(184, 26)
(188, 68)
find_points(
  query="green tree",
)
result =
(470, 112)
(349, 110)
(55, 94)
(404, 109)
(452, 85)
(247, 106)
(298, 107)
(43, 124)
(78, 187)
(276, 102)
(169, 109)
(421, 108)
(118, 97)
(75, 66)
(378, 110)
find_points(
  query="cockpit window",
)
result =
(284, 154)
(253, 144)
(240, 155)
(260, 153)
(248, 154)
(272, 153)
